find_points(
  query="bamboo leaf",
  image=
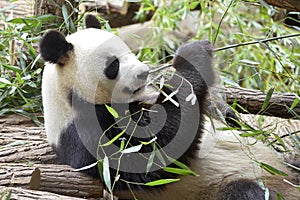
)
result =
(85, 167)
(5, 81)
(297, 100)
(100, 169)
(159, 155)
(114, 139)
(194, 4)
(270, 169)
(161, 82)
(257, 78)
(122, 145)
(12, 68)
(267, 100)
(150, 161)
(229, 81)
(106, 173)
(178, 163)
(161, 182)
(149, 142)
(112, 111)
(132, 149)
(179, 171)
(64, 11)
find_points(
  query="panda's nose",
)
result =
(143, 75)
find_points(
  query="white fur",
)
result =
(84, 74)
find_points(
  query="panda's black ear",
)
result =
(92, 22)
(54, 48)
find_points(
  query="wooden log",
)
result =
(59, 179)
(14, 193)
(253, 100)
(117, 12)
(24, 145)
(290, 5)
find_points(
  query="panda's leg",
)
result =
(242, 189)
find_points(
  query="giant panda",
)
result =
(94, 89)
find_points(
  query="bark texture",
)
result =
(14, 193)
(59, 179)
(252, 101)
(290, 5)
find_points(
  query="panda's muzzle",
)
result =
(132, 91)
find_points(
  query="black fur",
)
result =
(242, 189)
(92, 22)
(54, 48)
(112, 69)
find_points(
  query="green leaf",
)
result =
(178, 163)
(193, 5)
(280, 197)
(5, 81)
(112, 111)
(159, 155)
(132, 149)
(106, 173)
(47, 17)
(122, 146)
(114, 139)
(85, 167)
(249, 62)
(179, 171)
(149, 142)
(12, 68)
(150, 161)
(64, 11)
(295, 102)
(107, 27)
(270, 169)
(267, 100)
(254, 133)
(279, 140)
(100, 169)
(161, 182)
(8, 195)
(229, 81)
(257, 78)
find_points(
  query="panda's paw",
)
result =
(194, 62)
(195, 49)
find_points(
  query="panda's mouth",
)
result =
(133, 91)
(143, 93)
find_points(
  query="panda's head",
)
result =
(97, 65)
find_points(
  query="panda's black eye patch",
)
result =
(112, 69)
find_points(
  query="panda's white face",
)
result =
(95, 65)
(101, 69)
